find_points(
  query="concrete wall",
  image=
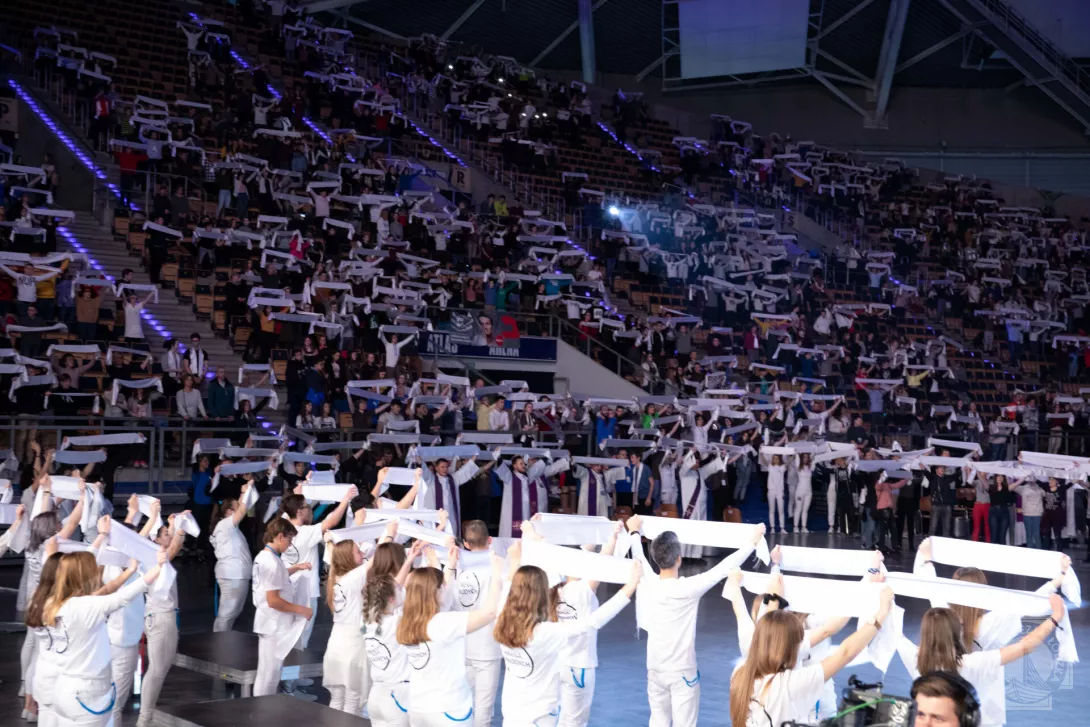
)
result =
(35, 141)
(577, 373)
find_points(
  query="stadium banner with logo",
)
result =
(445, 343)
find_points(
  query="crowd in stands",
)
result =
(947, 317)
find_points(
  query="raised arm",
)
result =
(852, 646)
(1034, 638)
(337, 513)
(72, 521)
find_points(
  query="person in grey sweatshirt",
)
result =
(1032, 508)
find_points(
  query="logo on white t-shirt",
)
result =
(58, 637)
(419, 655)
(566, 612)
(377, 653)
(339, 599)
(519, 662)
(291, 555)
(469, 589)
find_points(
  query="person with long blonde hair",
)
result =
(76, 620)
(533, 640)
(435, 642)
(769, 689)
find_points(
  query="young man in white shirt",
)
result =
(666, 607)
(304, 549)
(484, 661)
(272, 591)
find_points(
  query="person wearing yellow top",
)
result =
(47, 293)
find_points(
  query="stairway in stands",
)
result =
(170, 317)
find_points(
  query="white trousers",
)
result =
(268, 666)
(345, 699)
(27, 658)
(802, 508)
(438, 719)
(123, 661)
(388, 704)
(47, 716)
(84, 702)
(674, 698)
(162, 632)
(484, 680)
(233, 595)
(775, 505)
(576, 695)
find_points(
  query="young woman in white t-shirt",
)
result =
(160, 619)
(578, 599)
(388, 701)
(769, 689)
(439, 693)
(76, 622)
(533, 641)
(942, 649)
(234, 564)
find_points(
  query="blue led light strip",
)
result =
(627, 148)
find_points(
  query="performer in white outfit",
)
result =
(777, 472)
(770, 688)
(388, 702)
(579, 662)
(667, 607)
(160, 618)
(804, 491)
(533, 646)
(234, 564)
(524, 491)
(435, 641)
(76, 621)
(668, 478)
(345, 670)
(126, 627)
(304, 549)
(694, 494)
(276, 613)
(483, 657)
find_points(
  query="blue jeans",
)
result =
(224, 201)
(1033, 530)
(998, 522)
(868, 528)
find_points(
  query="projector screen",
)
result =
(729, 37)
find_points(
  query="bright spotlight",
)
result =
(501, 80)
(614, 211)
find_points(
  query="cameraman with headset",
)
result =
(944, 699)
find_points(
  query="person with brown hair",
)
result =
(388, 702)
(942, 648)
(769, 689)
(533, 639)
(75, 618)
(435, 645)
(345, 671)
(272, 591)
(234, 564)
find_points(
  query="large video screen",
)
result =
(730, 37)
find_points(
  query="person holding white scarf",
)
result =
(777, 472)
(234, 564)
(667, 607)
(942, 649)
(434, 640)
(804, 490)
(579, 663)
(768, 689)
(160, 617)
(484, 661)
(533, 645)
(76, 619)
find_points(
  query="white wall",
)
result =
(577, 373)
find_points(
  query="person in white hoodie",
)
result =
(483, 657)
(533, 645)
(666, 607)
